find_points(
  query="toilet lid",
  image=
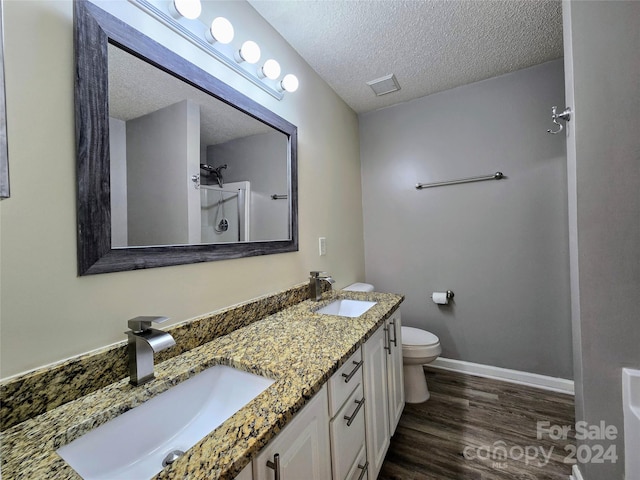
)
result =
(417, 336)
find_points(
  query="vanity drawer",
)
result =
(347, 434)
(344, 381)
(360, 468)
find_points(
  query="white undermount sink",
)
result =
(346, 308)
(134, 444)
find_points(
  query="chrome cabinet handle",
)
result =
(364, 469)
(353, 415)
(387, 340)
(275, 465)
(395, 334)
(348, 376)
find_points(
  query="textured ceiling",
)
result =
(137, 88)
(429, 45)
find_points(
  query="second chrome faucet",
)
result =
(315, 284)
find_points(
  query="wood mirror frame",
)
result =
(94, 30)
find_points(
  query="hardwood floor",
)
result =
(480, 429)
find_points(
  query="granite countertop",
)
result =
(295, 346)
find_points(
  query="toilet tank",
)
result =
(359, 287)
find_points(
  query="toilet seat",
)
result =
(423, 351)
(419, 344)
(414, 337)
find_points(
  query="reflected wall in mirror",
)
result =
(174, 166)
(163, 134)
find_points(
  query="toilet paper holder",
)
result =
(442, 298)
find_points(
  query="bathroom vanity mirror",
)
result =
(174, 166)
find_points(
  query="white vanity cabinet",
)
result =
(343, 433)
(301, 450)
(347, 426)
(383, 388)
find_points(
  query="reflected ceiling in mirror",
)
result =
(163, 134)
(174, 166)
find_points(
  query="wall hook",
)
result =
(565, 115)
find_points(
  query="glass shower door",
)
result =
(224, 213)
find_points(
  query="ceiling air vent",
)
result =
(384, 85)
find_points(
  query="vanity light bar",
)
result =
(215, 41)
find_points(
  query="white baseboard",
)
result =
(514, 376)
(575, 474)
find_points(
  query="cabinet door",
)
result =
(302, 447)
(376, 393)
(395, 378)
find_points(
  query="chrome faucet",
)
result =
(315, 284)
(143, 342)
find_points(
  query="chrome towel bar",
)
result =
(495, 176)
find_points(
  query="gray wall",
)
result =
(261, 160)
(602, 40)
(161, 198)
(501, 246)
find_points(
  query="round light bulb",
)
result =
(220, 30)
(270, 69)
(290, 83)
(190, 9)
(249, 52)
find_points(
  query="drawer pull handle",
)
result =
(348, 376)
(351, 418)
(275, 465)
(387, 340)
(395, 334)
(364, 469)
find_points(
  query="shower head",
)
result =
(215, 171)
(209, 168)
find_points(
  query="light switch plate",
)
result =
(322, 246)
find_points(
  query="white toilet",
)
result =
(418, 347)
